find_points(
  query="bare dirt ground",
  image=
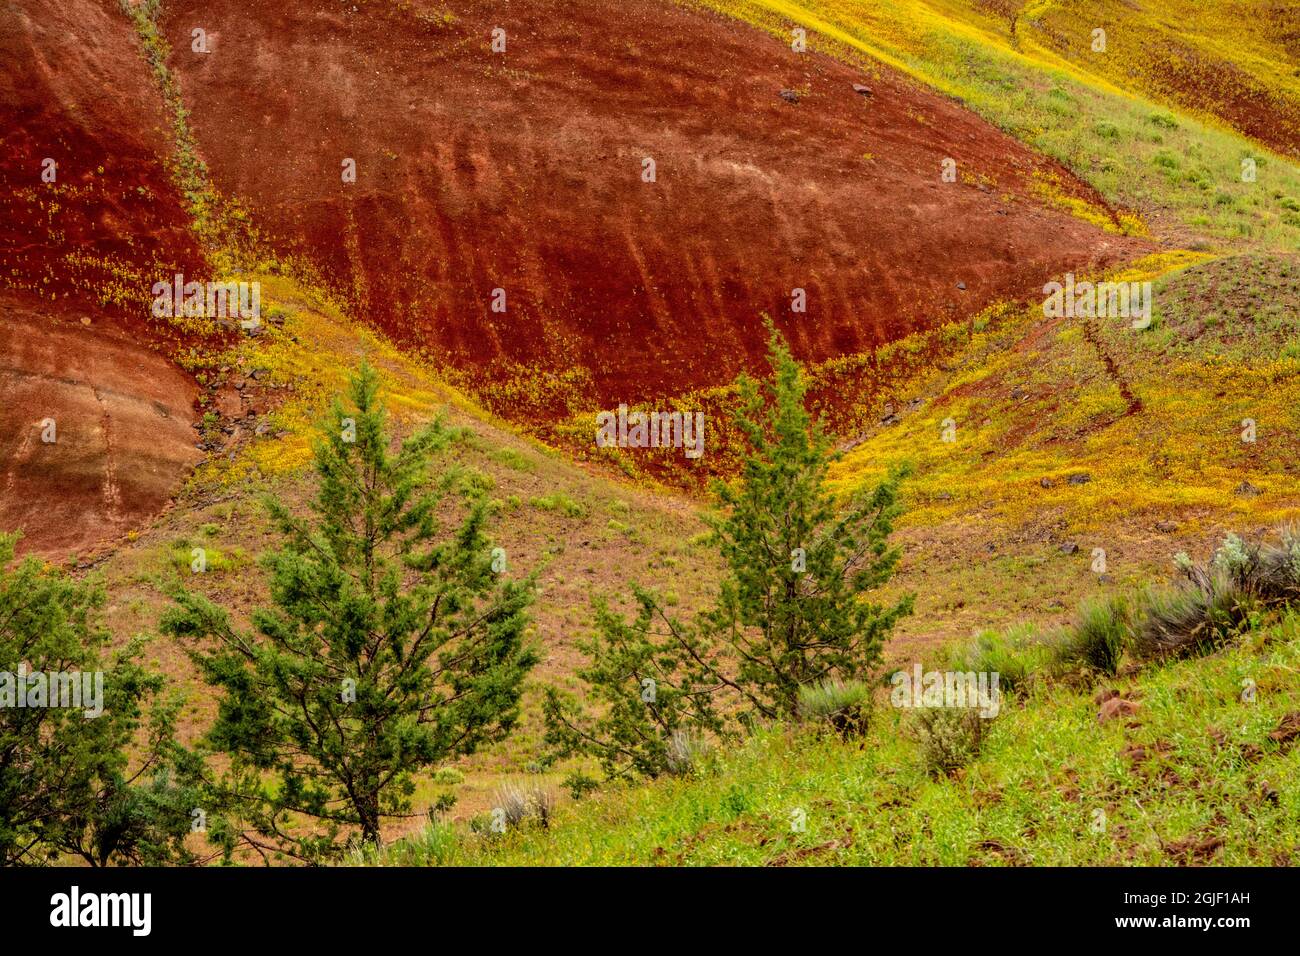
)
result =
(120, 420)
(523, 170)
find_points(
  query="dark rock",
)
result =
(1082, 478)
(790, 96)
(1070, 547)
(1247, 490)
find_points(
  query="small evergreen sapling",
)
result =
(391, 645)
(654, 679)
(795, 607)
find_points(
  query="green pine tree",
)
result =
(655, 681)
(796, 606)
(109, 789)
(390, 644)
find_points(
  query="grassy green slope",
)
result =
(1197, 775)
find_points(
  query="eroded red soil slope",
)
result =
(95, 432)
(78, 257)
(523, 171)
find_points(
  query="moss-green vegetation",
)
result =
(1205, 770)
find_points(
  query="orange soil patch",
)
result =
(88, 245)
(522, 171)
(120, 419)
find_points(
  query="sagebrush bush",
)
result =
(512, 800)
(520, 802)
(1210, 603)
(1193, 618)
(543, 802)
(949, 737)
(843, 706)
(1099, 636)
(1268, 571)
(686, 751)
(1014, 655)
(1278, 574)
